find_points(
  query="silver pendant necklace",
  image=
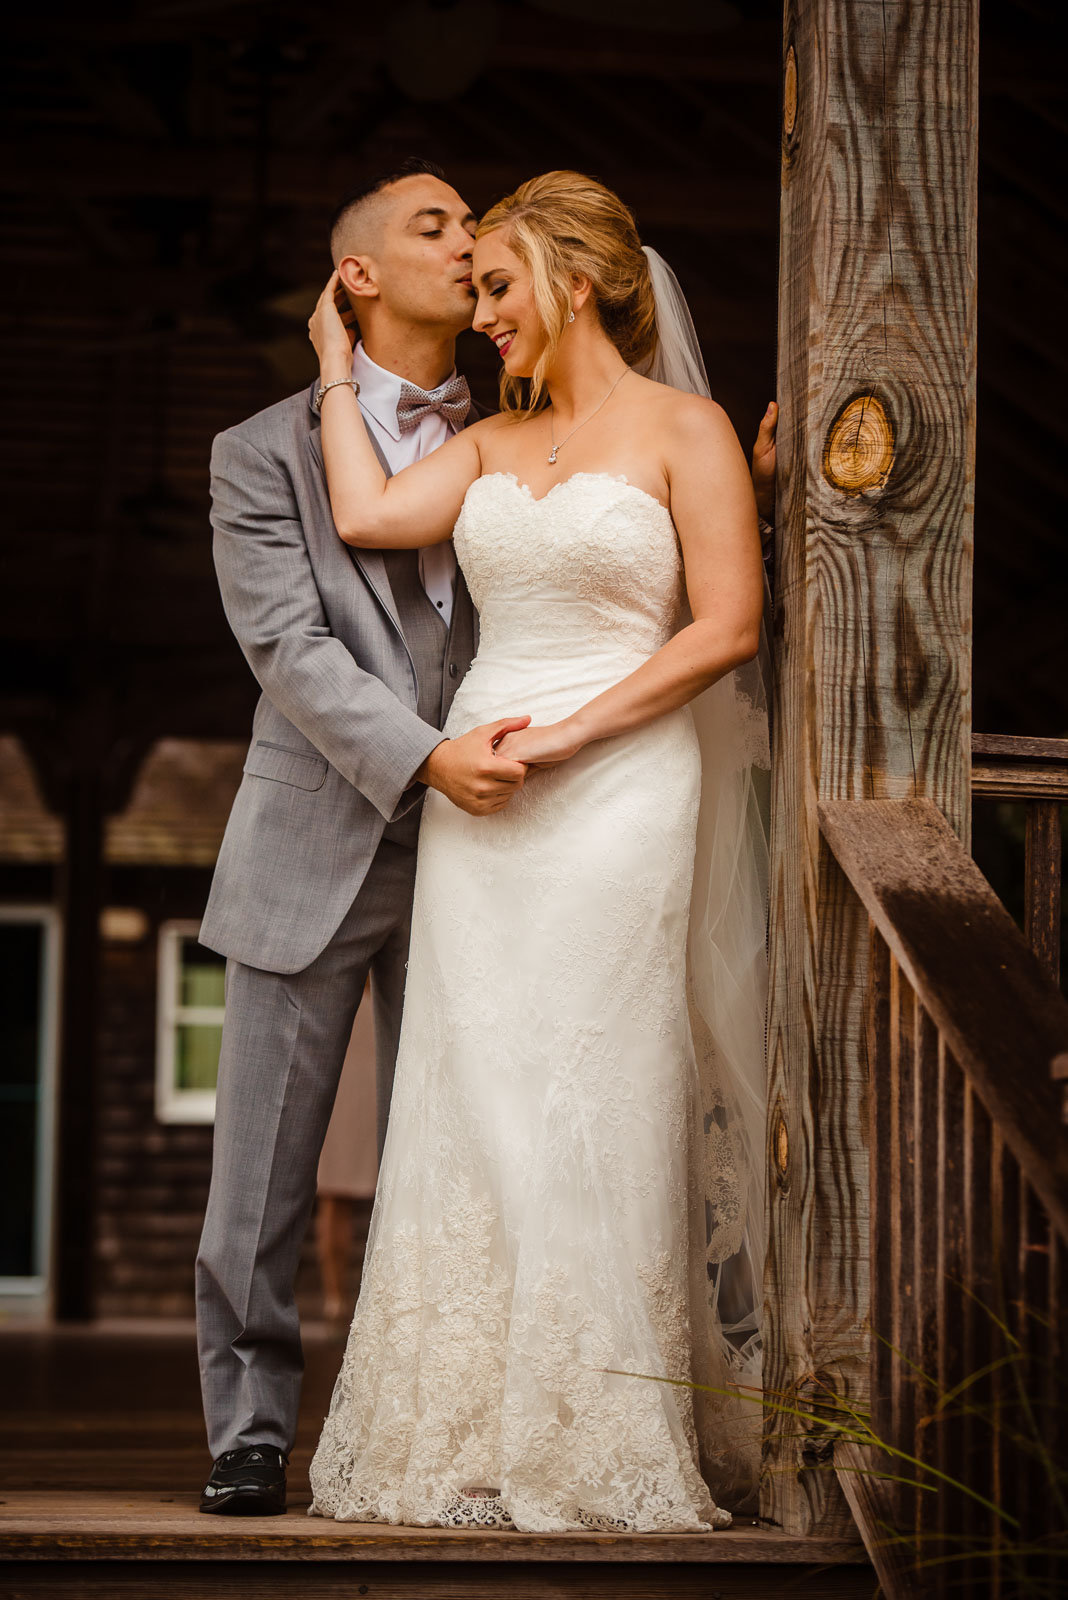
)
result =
(556, 448)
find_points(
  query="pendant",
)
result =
(552, 458)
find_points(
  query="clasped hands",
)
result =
(484, 769)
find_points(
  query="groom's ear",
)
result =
(356, 273)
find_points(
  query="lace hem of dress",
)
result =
(489, 1511)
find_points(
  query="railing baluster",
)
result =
(880, 1103)
(1040, 1390)
(1055, 1388)
(925, 1147)
(1003, 1310)
(951, 1212)
(977, 1345)
(903, 1219)
(1042, 883)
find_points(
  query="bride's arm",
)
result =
(715, 513)
(415, 507)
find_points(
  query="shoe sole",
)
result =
(242, 1505)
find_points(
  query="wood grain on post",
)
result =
(876, 459)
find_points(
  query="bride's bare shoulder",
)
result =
(485, 427)
(485, 431)
(495, 437)
(686, 417)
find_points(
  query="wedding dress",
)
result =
(562, 1173)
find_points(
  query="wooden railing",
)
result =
(969, 1218)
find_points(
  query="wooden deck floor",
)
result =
(103, 1457)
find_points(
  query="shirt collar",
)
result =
(380, 391)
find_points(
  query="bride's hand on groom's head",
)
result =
(345, 312)
(329, 334)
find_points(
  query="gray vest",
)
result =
(427, 639)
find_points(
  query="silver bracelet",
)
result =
(353, 385)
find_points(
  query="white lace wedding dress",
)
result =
(533, 1230)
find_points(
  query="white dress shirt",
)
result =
(379, 395)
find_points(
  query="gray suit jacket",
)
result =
(336, 739)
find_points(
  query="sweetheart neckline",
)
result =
(611, 477)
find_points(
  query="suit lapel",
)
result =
(371, 563)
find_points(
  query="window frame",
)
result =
(174, 1105)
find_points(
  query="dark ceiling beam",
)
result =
(1011, 144)
(561, 118)
(1049, 112)
(1008, 551)
(667, 59)
(501, 135)
(749, 53)
(299, 113)
(761, 136)
(745, 55)
(123, 107)
(1033, 456)
(108, 169)
(1010, 317)
(1035, 394)
(617, 104)
(1029, 241)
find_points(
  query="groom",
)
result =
(358, 654)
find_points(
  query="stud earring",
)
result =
(571, 316)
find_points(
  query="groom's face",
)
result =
(417, 260)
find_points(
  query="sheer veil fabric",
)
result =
(727, 983)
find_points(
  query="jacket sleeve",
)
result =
(272, 603)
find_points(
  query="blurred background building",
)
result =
(169, 176)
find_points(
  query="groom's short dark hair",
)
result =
(410, 167)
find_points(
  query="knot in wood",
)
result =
(781, 1144)
(789, 92)
(859, 451)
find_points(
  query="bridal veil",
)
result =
(727, 980)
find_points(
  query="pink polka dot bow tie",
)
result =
(452, 399)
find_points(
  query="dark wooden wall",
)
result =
(151, 1178)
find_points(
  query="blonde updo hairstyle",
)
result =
(563, 226)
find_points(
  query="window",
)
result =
(189, 1025)
(29, 950)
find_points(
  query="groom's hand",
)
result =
(470, 773)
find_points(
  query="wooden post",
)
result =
(876, 457)
(91, 772)
(82, 900)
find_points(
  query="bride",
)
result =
(570, 1194)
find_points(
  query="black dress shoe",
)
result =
(247, 1483)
